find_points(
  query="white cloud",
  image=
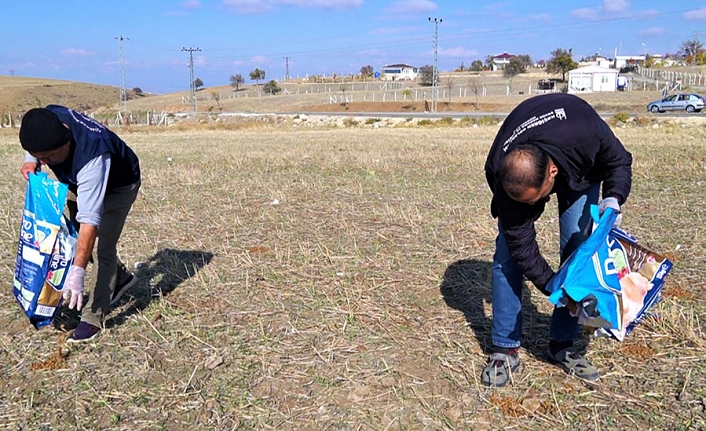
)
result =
(457, 52)
(696, 15)
(200, 61)
(76, 52)
(323, 4)
(247, 6)
(653, 31)
(408, 7)
(260, 6)
(394, 30)
(649, 13)
(260, 59)
(541, 17)
(585, 13)
(609, 9)
(616, 6)
(191, 4)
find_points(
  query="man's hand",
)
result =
(572, 307)
(73, 287)
(611, 203)
(29, 168)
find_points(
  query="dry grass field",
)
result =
(338, 279)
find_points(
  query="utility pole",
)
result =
(123, 94)
(286, 68)
(192, 87)
(435, 73)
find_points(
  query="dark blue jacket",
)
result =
(581, 145)
(90, 139)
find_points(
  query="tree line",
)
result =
(692, 52)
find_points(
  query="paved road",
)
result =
(499, 115)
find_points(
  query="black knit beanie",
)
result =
(41, 131)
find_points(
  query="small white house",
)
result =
(591, 79)
(629, 60)
(398, 72)
(597, 60)
(500, 61)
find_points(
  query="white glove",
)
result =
(611, 203)
(73, 287)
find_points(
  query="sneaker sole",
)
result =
(123, 290)
(83, 340)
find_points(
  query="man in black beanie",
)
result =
(103, 175)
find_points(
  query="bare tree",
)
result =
(449, 84)
(426, 74)
(690, 50)
(367, 71)
(476, 85)
(236, 81)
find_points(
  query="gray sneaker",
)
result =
(574, 364)
(499, 369)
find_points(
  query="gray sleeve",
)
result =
(30, 159)
(92, 181)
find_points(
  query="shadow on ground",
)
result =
(466, 287)
(158, 276)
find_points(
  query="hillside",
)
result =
(18, 94)
(458, 92)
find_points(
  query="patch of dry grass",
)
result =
(339, 279)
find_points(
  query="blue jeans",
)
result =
(507, 279)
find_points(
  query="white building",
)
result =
(398, 72)
(629, 60)
(597, 60)
(500, 61)
(592, 79)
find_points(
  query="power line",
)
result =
(123, 94)
(508, 34)
(192, 84)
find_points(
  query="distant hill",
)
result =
(18, 94)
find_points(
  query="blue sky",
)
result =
(76, 40)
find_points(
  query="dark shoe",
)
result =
(573, 363)
(121, 288)
(83, 332)
(499, 369)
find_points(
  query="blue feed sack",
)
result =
(612, 278)
(46, 249)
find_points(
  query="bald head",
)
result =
(524, 168)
